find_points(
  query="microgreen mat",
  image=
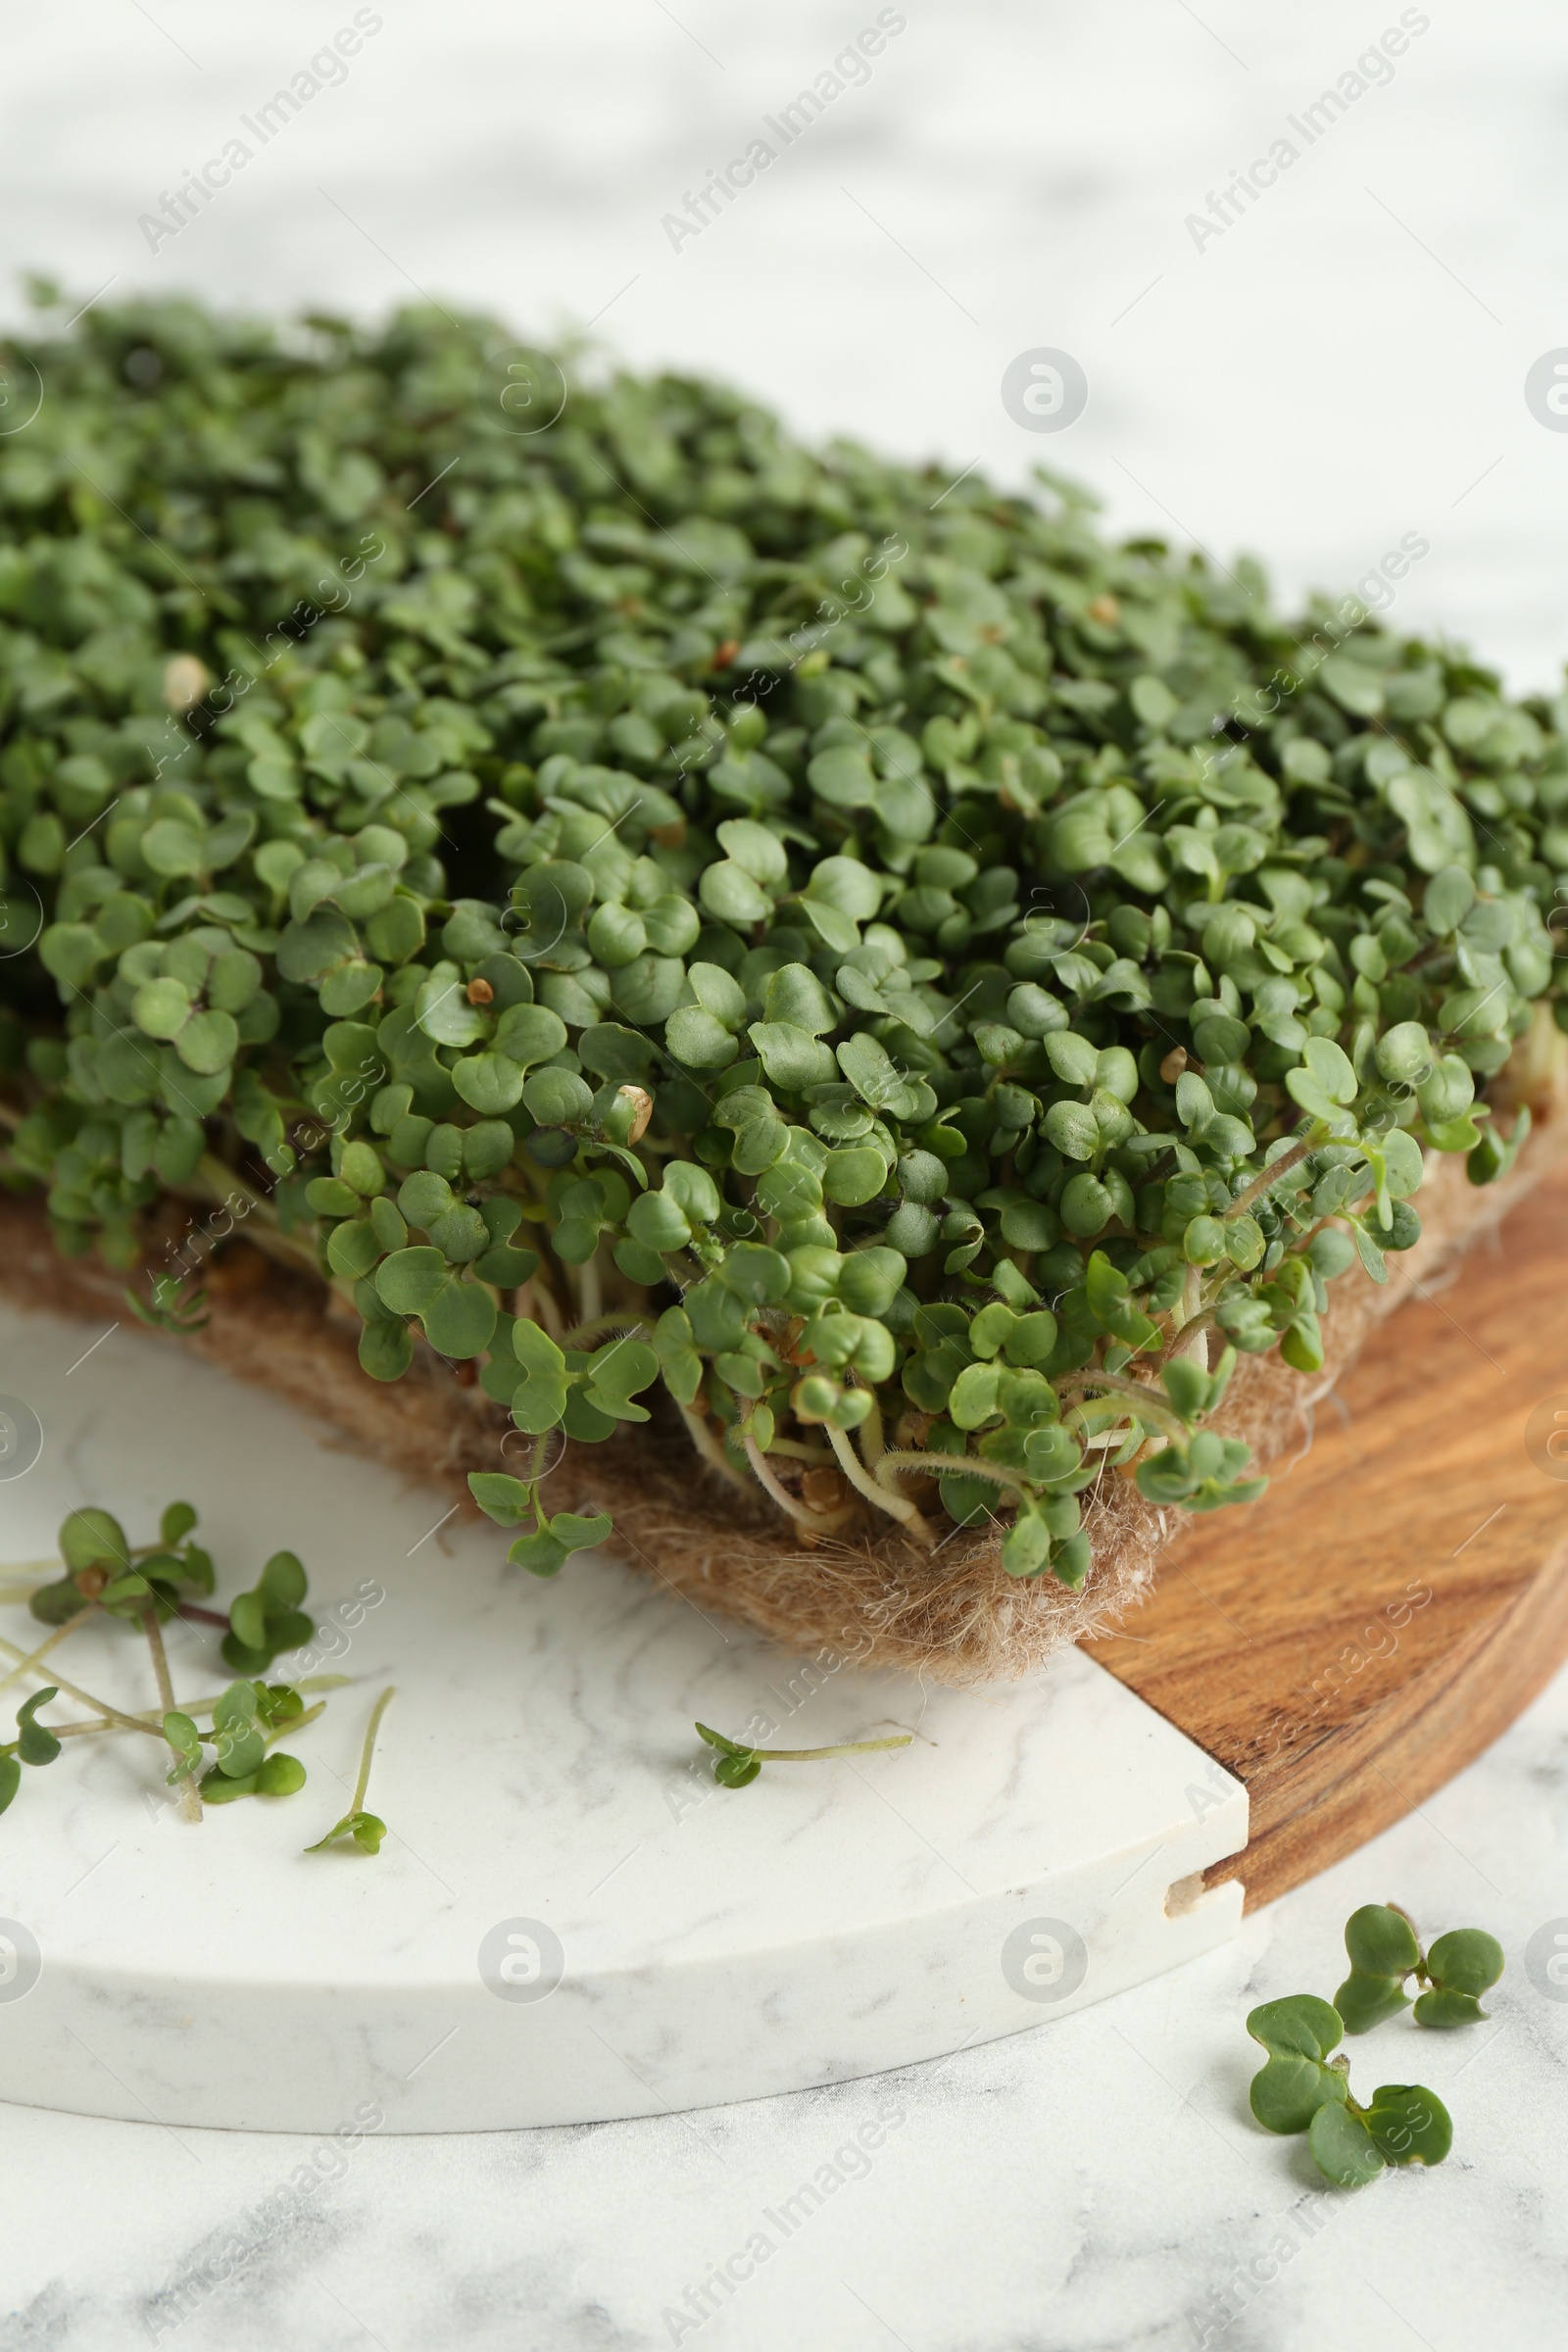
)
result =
(643, 906)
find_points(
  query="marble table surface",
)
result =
(1095, 2183)
(1345, 366)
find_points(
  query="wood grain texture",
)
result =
(1350, 1641)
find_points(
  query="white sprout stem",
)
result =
(886, 1497)
(591, 1291)
(780, 1494)
(190, 1797)
(368, 1749)
(1312, 1141)
(536, 1302)
(814, 1755)
(151, 1722)
(115, 1715)
(1190, 1301)
(30, 1663)
(712, 1452)
(219, 1183)
(814, 1456)
(1146, 1400)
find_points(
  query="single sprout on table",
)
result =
(1302, 2088)
(1385, 1952)
(735, 1766)
(365, 1829)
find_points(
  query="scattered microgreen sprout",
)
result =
(172, 1306)
(269, 1619)
(1385, 1952)
(1303, 2087)
(34, 1744)
(1456, 1970)
(246, 1717)
(914, 974)
(1406, 2124)
(144, 1585)
(735, 1766)
(1297, 2032)
(366, 1830)
(103, 1567)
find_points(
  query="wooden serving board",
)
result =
(1348, 1643)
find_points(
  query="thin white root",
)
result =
(712, 1452)
(30, 1663)
(886, 1497)
(786, 1501)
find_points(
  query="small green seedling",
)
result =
(365, 1828)
(275, 1776)
(1458, 1969)
(1406, 2124)
(1298, 2034)
(246, 1719)
(103, 1568)
(175, 1307)
(735, 1766)
(34, 1744)
(551, 1541)
(269, 1619)
(1385, 1952)
(144, 1586)
(1302, 2088)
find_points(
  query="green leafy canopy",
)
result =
(663, 919)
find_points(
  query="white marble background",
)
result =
(1094, 2183)
(1343, 367)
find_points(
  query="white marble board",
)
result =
(569, 1921)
